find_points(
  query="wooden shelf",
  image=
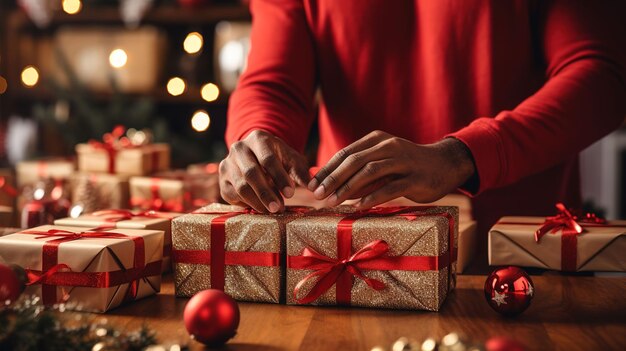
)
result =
(162, 15)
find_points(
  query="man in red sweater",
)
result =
(496, 98)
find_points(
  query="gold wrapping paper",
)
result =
(598, 249)
(164, 224)
(423, 236)
(170, 194)
(136, 161)
(30, 172)
(244, 233)
(110, 190)
(88, 255)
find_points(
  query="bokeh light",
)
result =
(193, 43)
(210, 92)
(118, 58)
(72, 6)
(176, 86)
(200, 121)
(3, 85)
(30, 76)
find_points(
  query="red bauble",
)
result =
(211, 317)
(11, 284)
(503, 344)
(509, 290)
(193, 3)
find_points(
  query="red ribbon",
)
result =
(6, 187)
(155, 202)
(341, 271)
(117, 215)
(50, 266)
(570, 226)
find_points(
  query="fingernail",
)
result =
(274, 207)
(288, 191)
(319, 192)
(332, 200)
(312, 184)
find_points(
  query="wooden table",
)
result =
(568, 313)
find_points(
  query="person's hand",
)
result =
(380, 167)
(258, 169)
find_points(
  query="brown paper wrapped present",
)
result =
(98, 191)
(31, 172)
(158, 194)
(200, 189)
(124, 219)
(227, 248)
(556, 243)
(131, 160)
(8, 192)
(92, 271)
(8, 230)
(387, 257)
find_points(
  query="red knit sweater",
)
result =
(525, 85)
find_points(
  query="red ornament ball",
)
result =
(211, 317)
(11, 283)
(503, 344)
(509, 290)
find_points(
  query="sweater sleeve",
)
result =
(276, 92)
(583, 99)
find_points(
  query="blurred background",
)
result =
(70, 70)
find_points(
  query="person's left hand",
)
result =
(380, 167)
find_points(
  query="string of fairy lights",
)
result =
(118, 59)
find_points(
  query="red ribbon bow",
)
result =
(50, 266)
(155, 202)
(117, 215)
(112, 143)
(566, 222)
(329, 269)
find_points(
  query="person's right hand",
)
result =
(258, 169)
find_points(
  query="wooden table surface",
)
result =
(567, 313)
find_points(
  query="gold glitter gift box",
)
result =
(228, 248)
(91, 271)
(387, 257)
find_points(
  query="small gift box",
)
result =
(92, 271)
(128, 160)
(98, 191)
(385, 257)
(200, 189)
(230, 249)
(564, 242)
(31, 172)
(8, 192)
(158, 194)
(124, 219)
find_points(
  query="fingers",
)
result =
(271, 164)
(299, 169)
(252, 182)
(364, 143)
(363, 180)
(388, 192)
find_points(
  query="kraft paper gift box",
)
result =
(200, 189)
(8, 192)
(599, 247)
(131, 161)
(158, 194)
(124, 219)
(89, 271)
(98, 191)
(30, 172)
(228, 248)
(387, 257)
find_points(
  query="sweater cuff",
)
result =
(482, 139)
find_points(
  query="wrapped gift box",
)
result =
(158, 194)
(200, 189)
(400, 257)
(125, 219)
(600, 247)
(131, 160)
(8, 230)
(8, 192)
(224, 247)
(98, 191)
(31, 172)
(90, 271)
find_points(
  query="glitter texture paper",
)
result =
(244, 233)
(404, 289)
